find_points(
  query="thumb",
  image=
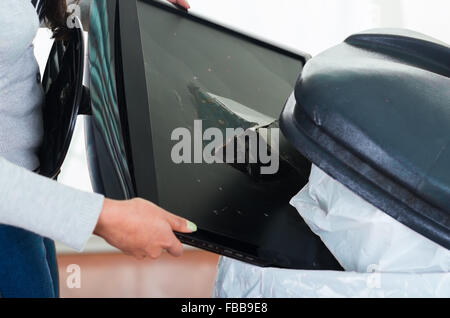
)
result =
(179, 224)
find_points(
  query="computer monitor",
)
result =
(179, 75)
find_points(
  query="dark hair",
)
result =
(54, 13)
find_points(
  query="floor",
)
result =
(117, 275)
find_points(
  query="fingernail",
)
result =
(191, 226)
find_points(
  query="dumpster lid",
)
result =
(374, 113)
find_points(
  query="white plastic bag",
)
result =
(238, 280)
(360, 236)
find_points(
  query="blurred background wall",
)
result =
(307, 25)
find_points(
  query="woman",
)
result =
(35, 210)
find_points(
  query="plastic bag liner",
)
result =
(382, 257)
(362, 237)
(237, 280)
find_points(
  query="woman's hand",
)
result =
(140, 228)
(181, 3)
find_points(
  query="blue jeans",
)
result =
(28, 266)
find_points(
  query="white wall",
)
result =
(315, 25)
(307, 25)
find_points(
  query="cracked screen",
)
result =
(197, 72)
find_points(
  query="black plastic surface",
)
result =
(63, 85)
(374, 113)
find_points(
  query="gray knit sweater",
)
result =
(27, 200)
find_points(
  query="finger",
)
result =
(176, 248)
(180, 224)
(154, 253)
(184, 4)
